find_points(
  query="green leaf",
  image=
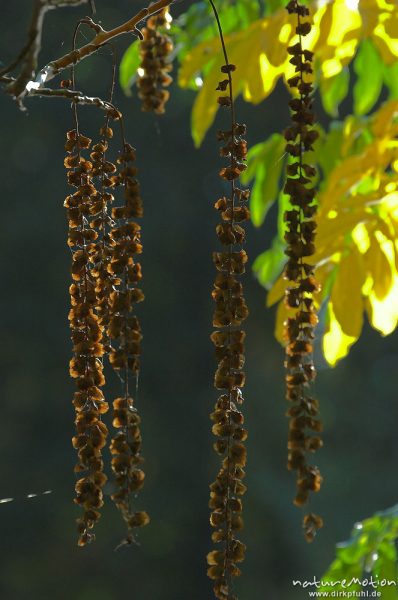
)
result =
(265, 162)
(128, 67)
(283, 205)
(368, 67)
(248, 11)
(334, 90)
(331, 148)
(370, 551)
(197, 23)
(268, 265)
(390, 75)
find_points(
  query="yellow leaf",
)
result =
(248, 76)
(360, 235)
(268, 57)
(378, 266)
(383, 314)
(277, 291)
(385, 37)
(339, 29)
(336, 343)
(205, 106)
(207, 51)
(346, 23)
(282, 313)
(369, 12)
(346, 295)
(331, 233)
(383, 119)
(277, 52)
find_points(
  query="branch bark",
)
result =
(101, 38)
(78, 98)
(19, 87)
(30, 52)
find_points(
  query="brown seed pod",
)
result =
(86, 333)
(124, 334)
(299, 237)
(155, 67)
(230, 312)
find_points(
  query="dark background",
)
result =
(39, 556)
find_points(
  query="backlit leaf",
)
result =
(334, 90)
(390, 75)
(266, 161)
(268, 265)
(336, 343)
(369, 71)
(369, 552)
(378, 266)
(346, 295)
(128, 67)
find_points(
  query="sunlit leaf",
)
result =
(277, 291)
(385, 36)
(128, 67)
(283, 205)
(369, 72)
(205, 105)
(273, 5)
(383, 314)
(369, 552)
(334, 90)
(390, 75)
(197, 24)
(266, 161)
(268, 265)
(346, 295)
(335, 343)
(331, 148)
(378, 266)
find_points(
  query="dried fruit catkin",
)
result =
(228, 338)
(124, 333)
(105, 171)
(86, 364)
(153, 74)
(304, 424)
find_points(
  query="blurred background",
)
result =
(39, 556)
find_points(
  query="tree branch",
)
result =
(30, 52)
(102, 37)
(27, 84)
(78, 98)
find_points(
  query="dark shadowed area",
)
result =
(39, 556)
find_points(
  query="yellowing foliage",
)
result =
(357, 238)
(336, 343)
(260, 51)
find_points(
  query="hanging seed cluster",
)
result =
(228, 339)
(304, 423)
(105, 171)
(86, 365)
(155, 66)
(125, 337)
(104, 291)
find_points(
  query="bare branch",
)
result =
(30, 52)
(78, 98)
(6, 79)
(101, 38)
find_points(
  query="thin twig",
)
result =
(6, 79)
(77, 97)
(101, 38)
(30, 52)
